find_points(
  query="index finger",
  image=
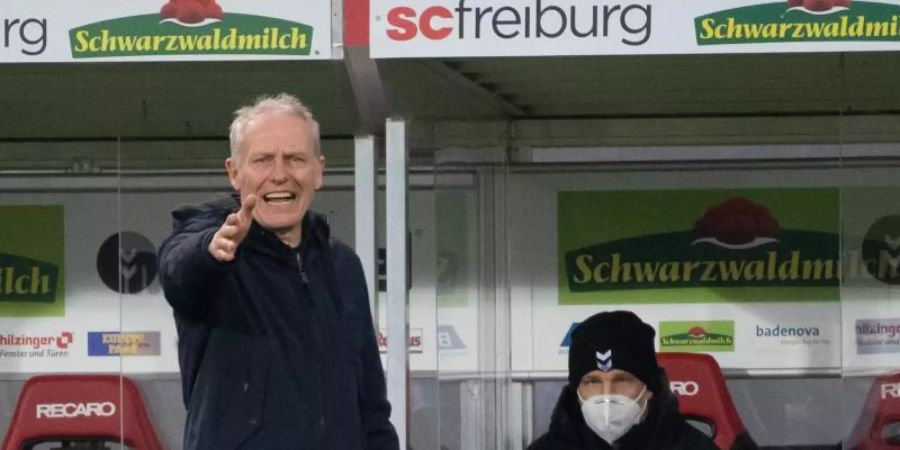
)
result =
(247, 206)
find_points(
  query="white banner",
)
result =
(473, 28)
(161, 30)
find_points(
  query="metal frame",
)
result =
(397, 187)
(366, 173)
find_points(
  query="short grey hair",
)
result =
(281, 103)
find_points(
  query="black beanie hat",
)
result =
(614, 340)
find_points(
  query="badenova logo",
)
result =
(788, 335)
(704, 336)
(801, 21)
(191, 27)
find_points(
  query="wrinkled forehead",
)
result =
(614, 375)
(273, 131)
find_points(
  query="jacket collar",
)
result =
(315, 235)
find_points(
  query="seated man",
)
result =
(616, 397)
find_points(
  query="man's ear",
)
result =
(320, 173)
(231, 169)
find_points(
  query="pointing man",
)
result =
(275, 338)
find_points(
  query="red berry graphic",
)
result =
(766, 226)
(737, 221)
(697, 332)
(168, 10)
(818, 5)
(737, 229)
(214, 11)
(190, 12)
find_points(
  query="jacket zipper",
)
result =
(304, 278)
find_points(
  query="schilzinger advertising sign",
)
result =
(700, 246)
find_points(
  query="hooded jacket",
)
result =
(664, 428)
(276, 348)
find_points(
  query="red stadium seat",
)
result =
(80, 408)
(696, 380)
(878, 426)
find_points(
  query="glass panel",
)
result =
(870, 212)
(58, 206)
(473, 316)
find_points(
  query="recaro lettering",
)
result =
(684, 388)
(891, 390)
(72, 410)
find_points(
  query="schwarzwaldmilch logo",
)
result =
(702, 336)
(191, 27)
(733, 244)
(126, 262)
(801, 21)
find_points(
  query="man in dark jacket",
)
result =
(616, 397)
(276, 344)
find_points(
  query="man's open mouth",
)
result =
(279, 197)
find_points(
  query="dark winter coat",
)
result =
(664, 428)
(276, 348)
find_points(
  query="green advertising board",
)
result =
(698, 246)
(32, 261)
(699, 336)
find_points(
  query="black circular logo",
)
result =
(126, 262)
(881, 250)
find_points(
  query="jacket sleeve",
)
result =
(189, 275)
(376, 410)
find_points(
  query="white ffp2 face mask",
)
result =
(611, 416)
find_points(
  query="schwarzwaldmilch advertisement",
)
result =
(164, 30)
(703, 246)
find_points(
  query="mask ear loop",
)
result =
(646, 402)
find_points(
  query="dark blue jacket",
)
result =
(276, 348)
